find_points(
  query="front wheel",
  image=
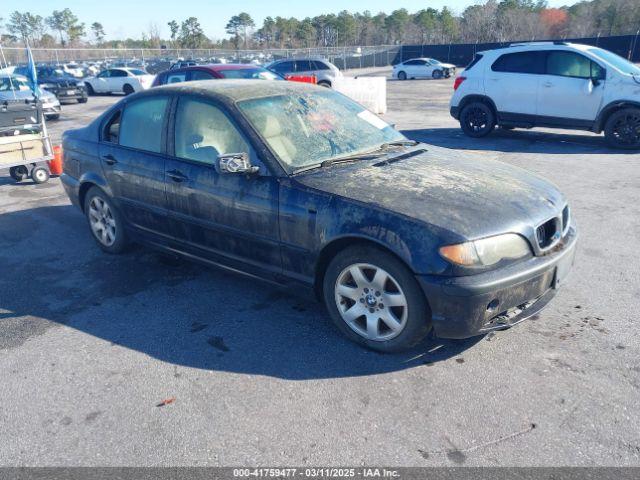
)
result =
(477, 120)
(128, 89)
(622, 129)
(90, 90)
(40, 175)
(105, 221)
(437, 74)
(402, 76)
(82, 100)
(375, 300)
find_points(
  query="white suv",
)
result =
(550, 84)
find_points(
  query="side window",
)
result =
(105, 74)
(598, 72)
(303, 66)
(412, 62)
(118, 73)
(318, 65)
(176, 77)
(284, 67)
(200, 75)
(142, 122)
(111, 131)
(521, 62)
(203, 132)
(568, 64)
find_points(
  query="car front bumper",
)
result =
(51, 110)
(463, 307)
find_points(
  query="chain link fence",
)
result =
(156, 60)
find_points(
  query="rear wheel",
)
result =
(40, 175)
(437, 74)
(18, 173)
(128, 89)
(622, 129)
(402, 76)
(477, 120)
(105, 221)
(375, 300)
(324, 83)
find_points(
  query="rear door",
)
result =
(117, 79)
(571, 88)
(284, 68)
(512, 82)
(133, 161)
(228, 218)
(304, 67)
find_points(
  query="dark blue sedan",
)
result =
(299, 185)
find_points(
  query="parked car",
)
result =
(119, 80)
(14, 87)
(72, 69)
(546, 84)
(324, 71)
(214, 71)
(423, 68)
(62, 85)
(303, 187)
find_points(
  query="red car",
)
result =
(214, 71)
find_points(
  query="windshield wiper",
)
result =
(399, 143)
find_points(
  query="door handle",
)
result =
(547, 84)
(177, 176)
(110, 159)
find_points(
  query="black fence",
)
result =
(462, 53)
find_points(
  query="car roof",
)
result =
(216, 67)
(525, 46)
(322, 59)
(237, 90)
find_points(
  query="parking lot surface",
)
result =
(91, 344)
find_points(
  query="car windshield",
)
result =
(306, 129)
(251, 73)
(9, 84)
(617, 61)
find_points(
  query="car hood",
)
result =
(466, 195)
(27, 95)
(59, 80)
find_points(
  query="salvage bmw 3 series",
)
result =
(301, 186)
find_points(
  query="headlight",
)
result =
(487, 251)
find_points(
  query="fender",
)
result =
(598, 125)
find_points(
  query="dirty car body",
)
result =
(318, 176)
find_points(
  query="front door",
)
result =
(229, 218)
(133, 162)
(572, 87)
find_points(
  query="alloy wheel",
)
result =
(103, 225)
(371, 302)
(477, 119)
(626, 130)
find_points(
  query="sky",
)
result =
(129, 18)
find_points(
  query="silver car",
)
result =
(324, 71)
(14, 87)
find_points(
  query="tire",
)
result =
(83, 100)
(622, 129)
(402, 76)
(324, 83)
(477, 120)
(127, 89)
(40, 175)
(373, 324)
(114, 238)
(19, 173)
(53, 117)
(437, 74)
(90, 90)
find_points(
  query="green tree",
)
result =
(239, 26)
(98, 31)
(191, 34)
(448, 25)
(66, 23)
(427, 22)
(26, 26)
(175, 29)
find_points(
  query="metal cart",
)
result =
(25, 146)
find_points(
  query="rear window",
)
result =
(520, 62)
(475, 60)
(318, 65)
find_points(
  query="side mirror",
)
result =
(595, 81)
(236, 163)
